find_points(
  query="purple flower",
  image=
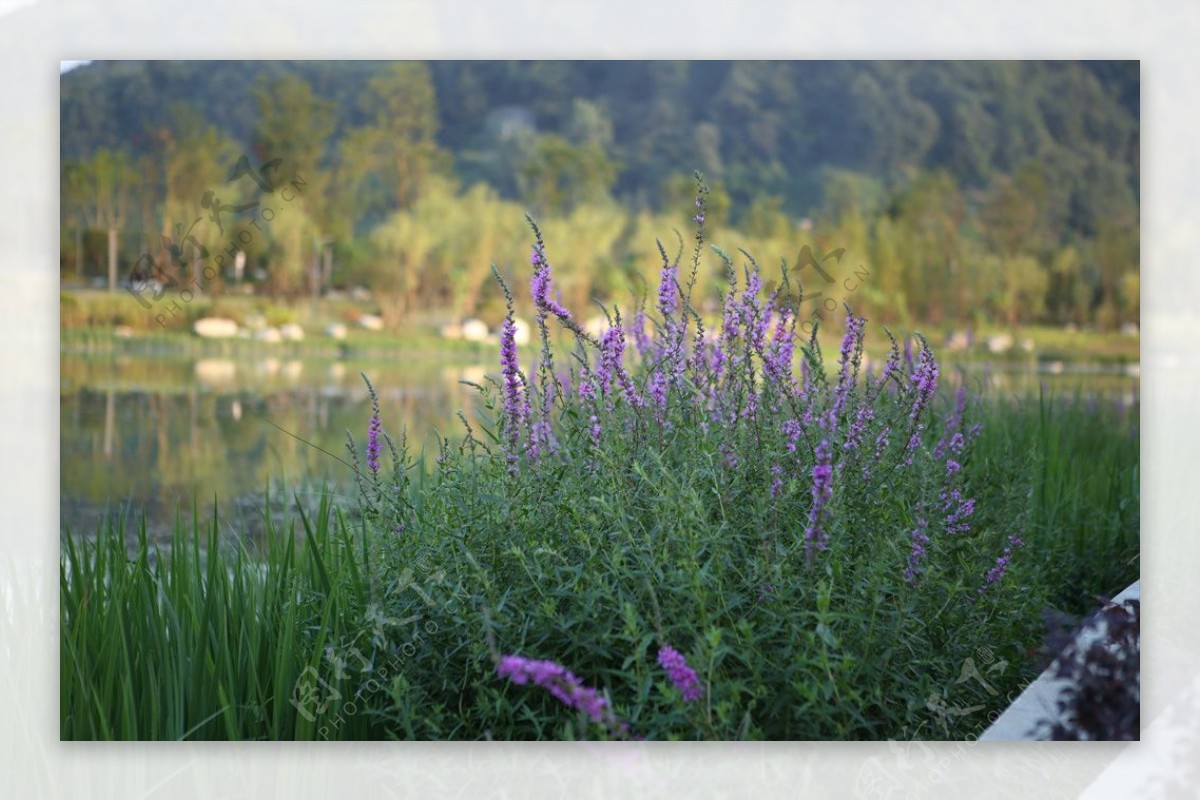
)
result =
(374, 428)
(960, 405)
(778, 361)
(539, 286)
(668, 297)
(776, 480)
(515, 406)
(892, 365)
(922, 389)
(560, 682)
(657, 387)
(612, 355)
(640, 339)
(957, 510)
(919, 540)
(541, 434)
(996, 573)
(858, 430)
(848, 361)
(680, 674)
(792, 430)
(815, 536)
(881, 441)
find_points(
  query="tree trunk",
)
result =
(112, 259)
(328, 266)
(79, 253)
(314, 273)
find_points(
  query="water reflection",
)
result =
(152, 433)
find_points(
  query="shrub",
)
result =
(811, 543)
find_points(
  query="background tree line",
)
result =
(974, 192)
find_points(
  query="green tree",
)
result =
(561, 176)
(107, 179)
(295, 125)
(386, 162)
(929, 218)
(1116, 254)
(197, 163)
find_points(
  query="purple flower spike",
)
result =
(919, 540)
(996, 573)
(680, 674)
(815, 536)
(515, 411)
(561, 683)
(374, 428)
(539, 287)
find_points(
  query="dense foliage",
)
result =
(975, 191)
(666, 532)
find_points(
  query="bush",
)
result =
(810, 544)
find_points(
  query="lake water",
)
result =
(154, 434)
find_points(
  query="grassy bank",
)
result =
(89, 319)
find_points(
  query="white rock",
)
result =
(360, 293)
(269, 335)
(215, 328)
(267, 366)
(1027, 345)
(335, 331)
(1000, 343)
(291, 332)
(451, 331)
(958, 341)
(596, 326)
(522, 332)
(215, 371)
(122, 332)
(476, 374)
(474, 330)
(1129, 329)
(371, 322)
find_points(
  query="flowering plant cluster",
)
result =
(682, 479)
(832, 442)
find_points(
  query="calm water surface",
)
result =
(150, 433)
